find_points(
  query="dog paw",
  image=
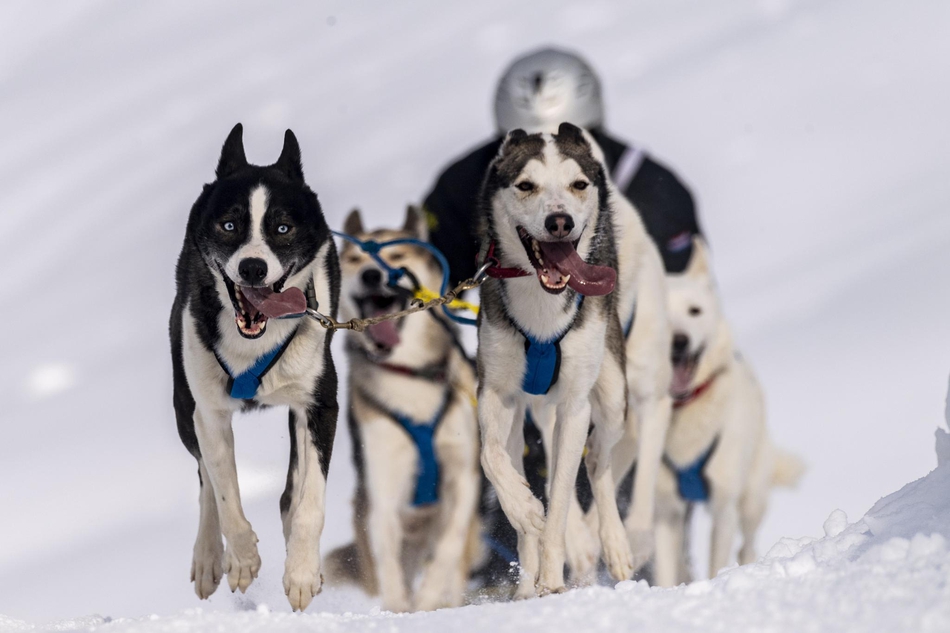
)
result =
(617, 554)
(525, 589)
(430, 599)
(547, 591)
(583, 550)
(397, 605)
(301, 585)
(527, 517)
(207, 568)
(642, 545)
(242, 561)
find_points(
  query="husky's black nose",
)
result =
(253, 270)
(559, 224)
(371, 277)
(680, 345)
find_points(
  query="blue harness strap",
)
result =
(628, 326)
(691, 481)
(543, 359)
(244, 386)
(423, 436)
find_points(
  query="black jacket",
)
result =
(664, 203)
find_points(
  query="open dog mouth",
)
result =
(684, 368)
(254, 305)
(384, 335)
(558, 266)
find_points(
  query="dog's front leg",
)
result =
(216, 441)
(608, 400)
(502, 422)
(461, 486)
(570, 431)
(207, 565)
(653, 415)
(304, 502)
(669, 568)
(391, 463)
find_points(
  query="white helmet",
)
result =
(541, 90)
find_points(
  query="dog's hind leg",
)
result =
(207, 565)
(570, 433)
(653, 414)
(216, 439)
(313, 429)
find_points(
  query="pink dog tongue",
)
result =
(682, 375)
(276, 304)
(586, 279)
(384, 334)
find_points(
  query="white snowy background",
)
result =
(813, 134)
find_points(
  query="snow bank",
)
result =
(887, 572)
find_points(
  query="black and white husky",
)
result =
(414, 432)
(256, 248)
(551, 340)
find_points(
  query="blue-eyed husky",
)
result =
(256, 248)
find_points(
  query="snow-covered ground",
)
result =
(814, 135)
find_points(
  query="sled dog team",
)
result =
(619, 366)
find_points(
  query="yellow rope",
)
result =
(424, 294)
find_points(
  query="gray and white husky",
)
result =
(414, 433)
(717, 449)
(256, 248)
(554, 340)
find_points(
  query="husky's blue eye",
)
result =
(228, 226)
(283, 228)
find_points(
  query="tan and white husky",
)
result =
(414, 431)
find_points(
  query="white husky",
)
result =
(717, 448)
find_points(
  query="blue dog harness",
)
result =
(543, 358)
(422, 435)
(691, 481)
(244, 386)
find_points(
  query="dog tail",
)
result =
(788, 469)
(342, 566)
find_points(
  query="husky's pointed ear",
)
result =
(570, 132)
(699, 260)
(512, 139)
(289, 161)
(232, 153)
(416, 223)
(353, 225)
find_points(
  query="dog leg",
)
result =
(439, 586)
(608, 407)
(725, 523)
(570, 432)
(216, 440)
(582, 546)
(207, 566)
(304, 518)
(391, 461)
(502, 455)
(670, 522)
(529, 555)
(654, 417)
